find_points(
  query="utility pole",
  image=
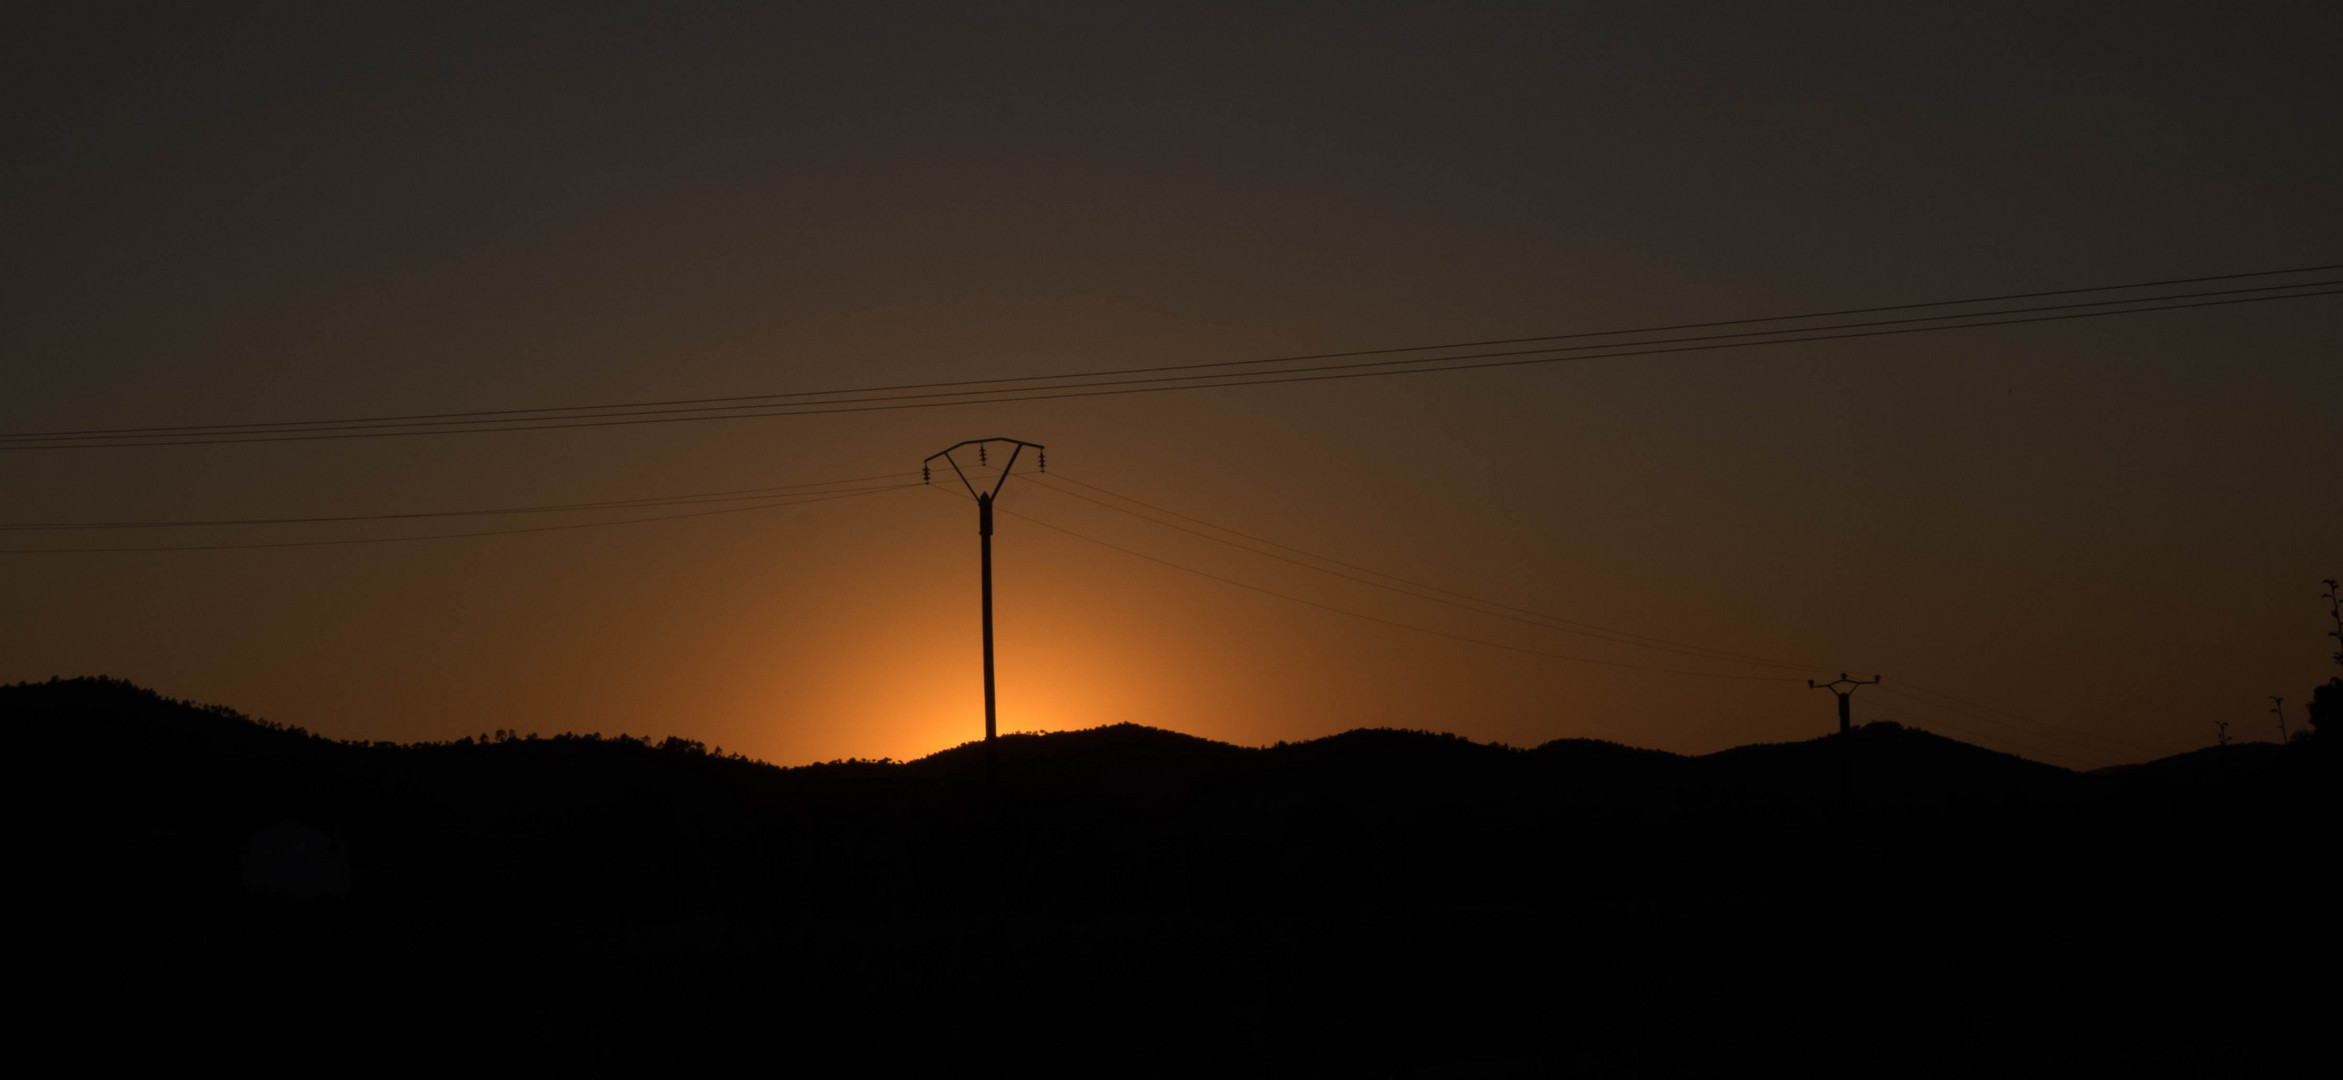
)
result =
(984, 533)
(2278, 709)
(1845, 724)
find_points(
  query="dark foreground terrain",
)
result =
(1132, 900)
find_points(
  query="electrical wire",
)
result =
(1903, 690)
(1669, 328)
(802, 500)
(1105, 383)
(2024, 745)
(1985, 739)
(1432, 593)
(1988, 740)
(1372, 618)
(1321, 373)
(736, 495)
(2086, 740)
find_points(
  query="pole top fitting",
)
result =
(1016, 447)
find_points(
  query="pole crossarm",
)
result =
(1017, 446)
(1833, 685)
(1846, 722)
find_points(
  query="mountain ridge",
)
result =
(1195, 896)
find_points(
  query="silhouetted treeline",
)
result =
(1374, 900)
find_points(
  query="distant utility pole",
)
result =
(2278, 709)
(1845, 725)
(2335, 611)
(2220, 732)
(984, 532)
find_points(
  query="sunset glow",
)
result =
(1175, 539)
(2076, 540)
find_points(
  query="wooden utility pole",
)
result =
(984, 533)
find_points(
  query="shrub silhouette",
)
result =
(2326, 702)
(2326, 711)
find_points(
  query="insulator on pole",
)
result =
(980, 453)
(923, 474)
(1044, 460)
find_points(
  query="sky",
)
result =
(2087, 541)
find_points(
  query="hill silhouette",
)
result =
(1379, 898)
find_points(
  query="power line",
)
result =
(1669, 328)
(1379, 619)
(1990, 714)
(1986, 739)
(2030, 734)
(736, 495)
(801, 500)
(1107, 383)
(1985, 711)
(328, 430)
(1904, 690)
(1461, 601)
(1471, 640)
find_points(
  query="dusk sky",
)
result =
(2084, 541)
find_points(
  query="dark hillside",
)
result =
(2213, 766)
(1373, 900)
(1885, 766)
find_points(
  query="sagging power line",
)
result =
(1432, 359)
(1419, 590)
(1930, 721)
(733, 495)
(1984, 738)
(1391, 622)
(2007, 718)
(804, 493)
(2023, 728)
(2039, 737)
(771, 504)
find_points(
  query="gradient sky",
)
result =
(2112, 531)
